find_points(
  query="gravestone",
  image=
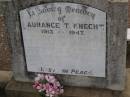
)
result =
(64, 38)
(82, 42)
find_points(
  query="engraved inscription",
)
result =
(64, 38)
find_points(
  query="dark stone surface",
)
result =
(128, 54)
(20, 89)
(5, 52)
(23, 89)
(2, 89)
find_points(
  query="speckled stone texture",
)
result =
(116, 44)
(5, 50)
(129, 14)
